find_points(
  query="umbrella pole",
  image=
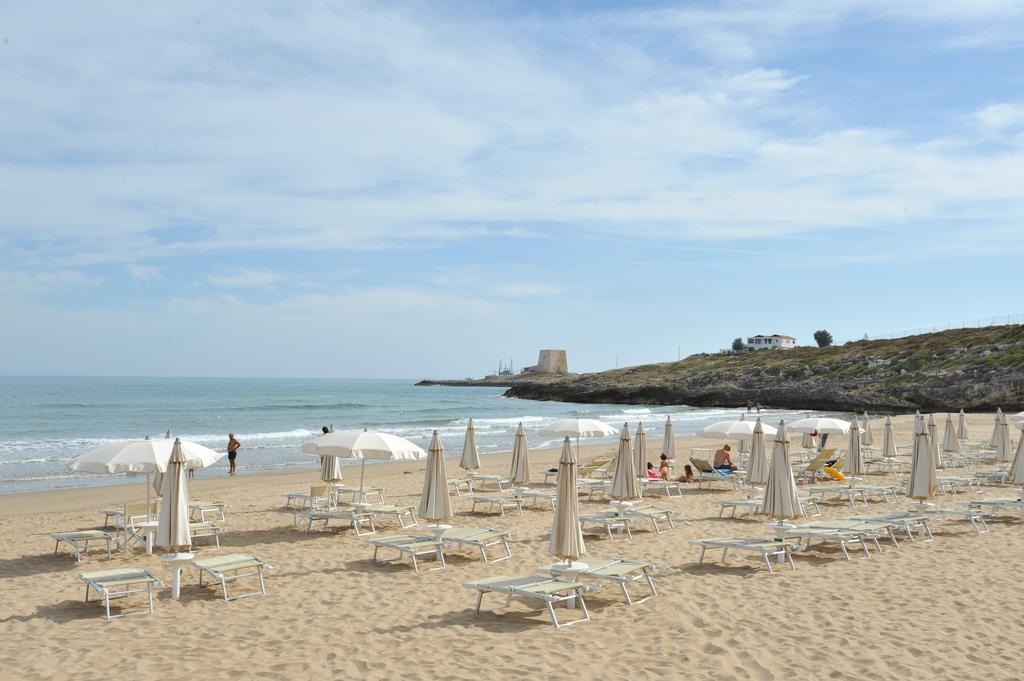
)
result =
(362, 470)
(149, 487)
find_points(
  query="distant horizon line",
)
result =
(244, 378)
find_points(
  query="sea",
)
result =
(46, 420)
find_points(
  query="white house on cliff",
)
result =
(772, 342)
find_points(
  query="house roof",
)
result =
(774, 335)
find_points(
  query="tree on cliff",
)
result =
(737, 345)
(823, 338)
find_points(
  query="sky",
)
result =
(407, 190)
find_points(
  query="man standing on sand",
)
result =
(233, 446)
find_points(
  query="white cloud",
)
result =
(998, 117)
(144, 273)
(259, 278)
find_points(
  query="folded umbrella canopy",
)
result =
(566, 540)
(624, 484)
(867, 437)
(1017, 467)
(640, 449)
(780, 497)
(961, 430)
(995, 429)
(757, 469)
(950, 442)
(668, 443)
(853, 465)
(470, 460)
(888, 439)
(933, 441)
(1003, 446)
(923, 481)
(434, 501)
(519, 473)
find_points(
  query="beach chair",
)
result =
(593, 487)
(588, 469)
(537, 588)
(975, 516)
(549, 474)
(956, 482)
(752, 505)
(132, 517)
(318, 495)
(459, 485)
(654, 514)
(906, 521)
(849, 492)
(875, 528)
(994, 505)
(497, 483)
(356, 518)
(79, 541)
(405, 515)
(817, 464)
(496, 502)
(608, 522)
(533, 497)
(708, 473)
(414, 547)
(231, 568)
(120, 583)
(623, 572)
(482, 539)
(768, 548)
(204, 508)
(805, 537)
(665, 486)
(205, 531)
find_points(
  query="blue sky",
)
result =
(417, 189)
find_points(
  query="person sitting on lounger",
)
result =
(651, 473)
(723, 460)
(687, 475)
(663, 469)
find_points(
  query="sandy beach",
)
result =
(947, 609)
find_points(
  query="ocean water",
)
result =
(44, 421)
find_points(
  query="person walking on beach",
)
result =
(233, 446)
(750, 406)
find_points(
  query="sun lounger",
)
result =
(318, 496)
(551, 473)
(667, 487)
(706, 473)
(79, 541)
(231, 568)
(496, 502)
(591, 487)
(768, 548)
(905, 520)
(817, 464)
(120, 583)
(975, 516)
(619, 523)
(805, 536)
(356, 518)
(850, 492)
(481, 539)
(534, 497)
(205, 508)
(872, 528)
(588, 469)
(622, 572)
(415, 547)
(405, 515)
(998, 504)
(460, 485)
(654, 514)
(205, 530)
(498, 483)
(537, 587)
(953, 482)
(996, 477)
(355, 494)
(753, 506)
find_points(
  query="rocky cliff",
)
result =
(973, 369)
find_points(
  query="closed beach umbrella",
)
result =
(434, 501)
(780, 497)
(579, 429)
(1003, 446)
(923, 483)
(853, 464)
(888, 439)
(995, 430)
(808, 441)
(950, 442)
(624, 485)
(470, 460)
(1017, 467)
(933, 441)
(363, 445)
(330, 469)
(867, 438)
(757, 469)
(961, 430)
(668, 443)
(640, 449)
(520, 472)
(172, 528)
(566, 535)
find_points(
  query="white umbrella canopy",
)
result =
(640, 449)
(757, 468)
(853, 465)
(820, 425)
(933, 441)
(1019, 416)
(434, 501)
(961, 430)
(923, 481)
(1017, 467)
(362, 444)
(520, 471)
(733, 430)
(579, 429)
(950, 442)
(668, 443)
(1003, 445)
(888, 439)
(780, 497)
(867, 437)
(172, 528)
(624, 485)
(470, 460)
(566, 540)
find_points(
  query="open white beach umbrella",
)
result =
(961, 430)
(1003, 445)
(888, 439)
(172, 527)
(867, 438)
(1019, 417)
(995, 429)
(470, 460)
(1017, 467)
(853, 465)
(566, 540)
(640, 450)
(950, 442)
(624, 485)
(757, 468)
(520, 470)
(363, 445)
(933, 441)
(780, 497)
(434, 501)
(579, 429)
(733, 430)
(668, 443)
(819, 424)
(923, 482)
